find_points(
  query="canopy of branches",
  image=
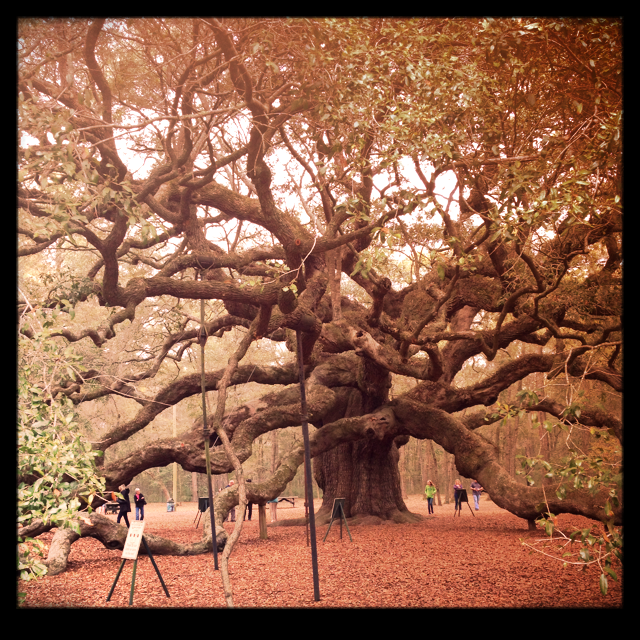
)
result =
(413, 196)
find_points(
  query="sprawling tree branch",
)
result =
(501, 265)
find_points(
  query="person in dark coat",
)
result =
(140, 502)
(249, 508)
(457, 494)
(124, 504)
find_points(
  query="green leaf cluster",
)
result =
(590, 471)
(56, 466)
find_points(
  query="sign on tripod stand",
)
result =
(130, 552)
(134, 538)
(338, 512)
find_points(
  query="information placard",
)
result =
(132, 543)
(337, 504)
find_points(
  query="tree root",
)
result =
(395, 517)
(292, 522)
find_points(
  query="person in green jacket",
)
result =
(430, 490)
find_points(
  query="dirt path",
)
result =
(440, 562)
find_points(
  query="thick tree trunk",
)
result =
(366, 474)
(403, 471)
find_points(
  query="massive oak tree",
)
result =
(413, 196)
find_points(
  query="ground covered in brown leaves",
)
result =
(443, 561)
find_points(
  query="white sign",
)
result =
(134, 537)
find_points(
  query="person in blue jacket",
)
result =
(477, 489)
(124, 504)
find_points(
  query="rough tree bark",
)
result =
(365, 473)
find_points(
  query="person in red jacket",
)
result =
(140, 502)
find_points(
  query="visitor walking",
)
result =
(457, 492)
(124, 504)
(477, 490)
(430, 490)
(140, 502)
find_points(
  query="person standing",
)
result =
(140, 502)
(457, 492)
(249, 507)
(124, 504)
(430, 490)
(477, 490)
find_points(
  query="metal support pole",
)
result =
(306, 503)
(329, 529)
(113, 586)
(211, 514)
(175, 464)
(155, 566)
(307, 468)
(202, 338)
(133, 581)
(346, 524)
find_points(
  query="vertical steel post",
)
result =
(175, 464)
(306, 502)
(202, 338)
(133, 581)
(307, 468)
(155, 566)
(113, 586)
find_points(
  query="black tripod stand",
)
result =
(338, 512)
(462, 497)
